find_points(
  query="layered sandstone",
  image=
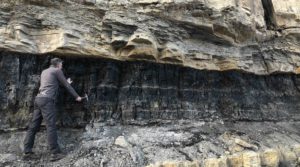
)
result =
(188, 83)
(257, 36)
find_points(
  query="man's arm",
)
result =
(62, 79)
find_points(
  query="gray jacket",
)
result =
(50, 79)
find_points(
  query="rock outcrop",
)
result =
(145, 93)
(188, 83)
(256, 36)
(184, 144)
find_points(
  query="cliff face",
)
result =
(245, 37)
(142, 92)
(257, 36)
(170, 82)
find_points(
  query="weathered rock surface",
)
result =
(180, 144)
(257, 36)
(146, 93)
(217, 80)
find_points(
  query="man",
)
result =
(44, 107)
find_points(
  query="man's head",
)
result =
(56, 62)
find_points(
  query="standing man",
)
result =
(44, 107)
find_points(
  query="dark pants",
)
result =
(43, 108)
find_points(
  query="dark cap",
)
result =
(55, 61)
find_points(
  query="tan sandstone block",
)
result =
(270, 158)
(211, 162)
(170, 164)
(251, 159)
(235, 160)
(214, 162)
(287, 12)
(192, 164)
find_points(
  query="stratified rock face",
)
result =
(286, 14)
(142, 92)
(257, 36)
(216, 78)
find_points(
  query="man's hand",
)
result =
(79, 99)
(69, 80)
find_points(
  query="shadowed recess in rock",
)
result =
(143, 92)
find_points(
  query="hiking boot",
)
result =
(30, 156)
(57, 156)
